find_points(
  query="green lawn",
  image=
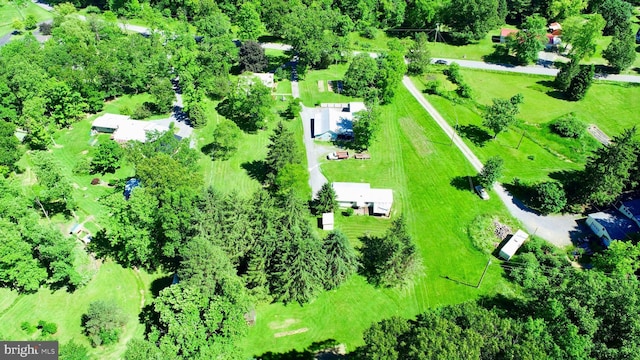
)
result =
(414, 158)
(233, 175)
(611, 106)
(111, 283)
(127, 104)
(9, 12)
(309, 90)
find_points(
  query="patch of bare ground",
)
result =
(289, 333)
(415, 134)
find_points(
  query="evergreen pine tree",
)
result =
(580, 83)
(567, 72)
(326, 201)
(341, 259)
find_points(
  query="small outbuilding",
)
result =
(327, 221)
(513, 244)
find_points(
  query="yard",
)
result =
(127, 288)
(610, 106)
(9, 11)
(414, 158)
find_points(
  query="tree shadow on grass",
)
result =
(462, 183)
(477, 135)
(160, 283)
(320, 350)
(500, 55)
(256, 169)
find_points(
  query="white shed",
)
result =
(327, 221)
(511, 247)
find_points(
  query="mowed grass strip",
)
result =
(438, 215)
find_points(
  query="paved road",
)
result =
(557, 229)
(532, 69)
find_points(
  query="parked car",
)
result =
(482, 192)
(338, 155)
(441, 62)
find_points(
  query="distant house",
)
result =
(609, 226)
(515, 242)
(123, 129)
(631, 209)
(553, 36)
(505, 33)
(363, 198)
(334, 121)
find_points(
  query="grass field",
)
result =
(125, 287)
(413, 157)
(232, 175)
(9, 12)
(611, 106)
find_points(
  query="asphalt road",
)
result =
(557, 229)
(532, 69)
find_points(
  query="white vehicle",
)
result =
(482, 192)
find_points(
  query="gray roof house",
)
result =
(609, 226)
(331, 121)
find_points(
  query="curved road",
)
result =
(556, 229)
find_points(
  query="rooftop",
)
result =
(617, 226)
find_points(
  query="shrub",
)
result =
(45, 28)
(568, 126)
(433, 87)
(83, 167)
(369, 32)
(348, 212)
(142, 112)
(550, 197)
(93, 9)
(49, 328)
(453, 73)
(27, 327)
(125, 110)
(95, 181)
(464, 91)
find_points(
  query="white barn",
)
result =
(334, 120)
(362, 197)
(609, 226)
(511, 247)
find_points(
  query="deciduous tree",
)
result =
(225, 140)
(621, 52)
(248, 20)
(527, 42)
(499, 116)
(107, 157)
(471, 20)
(252, 57)
(360, 78)
(103, 322)
(365, 126)
(163, 96)
(491, 171)
(582, 34)
(550, 197)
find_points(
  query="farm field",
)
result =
(610, 106)
(413, 157)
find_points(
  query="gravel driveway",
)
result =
(557, 229)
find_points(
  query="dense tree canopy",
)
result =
(527, 42)
(471, 20)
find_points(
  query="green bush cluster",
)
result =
(569, 126)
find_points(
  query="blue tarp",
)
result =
(130, 185)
